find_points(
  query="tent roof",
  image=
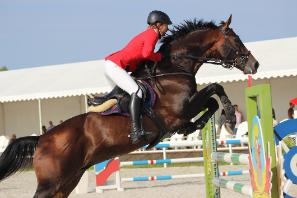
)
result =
(53, 81)
(276, 57)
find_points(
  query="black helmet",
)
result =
(158, 16)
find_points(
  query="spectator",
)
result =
(290, 113)
(221, 122)
(51, 125)
(239, 118)
(291, 105)
(13, 138)
(44, 130)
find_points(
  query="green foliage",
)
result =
(3, 68)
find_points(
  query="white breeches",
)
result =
(121, 78)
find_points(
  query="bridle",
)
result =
(239, 60)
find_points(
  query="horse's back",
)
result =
(81, 137)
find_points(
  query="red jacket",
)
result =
(139, 49)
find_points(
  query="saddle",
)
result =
(117, 102)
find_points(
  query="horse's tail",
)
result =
(17, 155)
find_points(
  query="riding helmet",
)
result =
(158, 16)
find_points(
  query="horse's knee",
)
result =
(212, 104)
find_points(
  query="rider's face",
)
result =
(163, 28)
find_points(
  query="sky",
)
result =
(47, 32)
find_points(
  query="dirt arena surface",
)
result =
(24, 185)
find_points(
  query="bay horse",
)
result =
(61, 156)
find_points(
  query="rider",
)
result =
(139, 49)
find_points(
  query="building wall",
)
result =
(21, 118)
(283, 90)
(60, 109)
(2, 120)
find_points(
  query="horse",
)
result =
(61, 156)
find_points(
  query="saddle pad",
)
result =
(149, 102)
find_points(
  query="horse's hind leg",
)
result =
(45, 190)
(53, 190)
(69, 185)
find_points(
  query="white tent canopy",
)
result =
(53, 81)
(276, 57)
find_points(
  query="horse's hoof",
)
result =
(200, 126)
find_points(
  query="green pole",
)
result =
(258, 103)
(211, 169)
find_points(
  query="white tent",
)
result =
(53, 81)
(29, 98)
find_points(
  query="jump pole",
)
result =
(211, 169)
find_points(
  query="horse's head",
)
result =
(232, 52)
(196, 42)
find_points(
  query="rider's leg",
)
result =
(122, 79)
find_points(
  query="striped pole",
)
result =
(162, 177)
(237, 187)
(233, 173)
(169, 177)
(161, 161)
(199, 143)
(232, 141)
(235, 158)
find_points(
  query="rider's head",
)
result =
(159, 20)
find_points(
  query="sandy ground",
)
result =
(24, 185)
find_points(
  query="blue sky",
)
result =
(45, 32)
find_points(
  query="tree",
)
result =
(3, 68)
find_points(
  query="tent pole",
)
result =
(39, 116)
(86, 103)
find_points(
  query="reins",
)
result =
(153, 77)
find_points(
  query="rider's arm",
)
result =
(149, 46)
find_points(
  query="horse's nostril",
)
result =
(257, 65)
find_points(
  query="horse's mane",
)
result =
(185, 28)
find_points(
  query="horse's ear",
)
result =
(227, 23)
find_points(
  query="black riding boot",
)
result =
(101, 99)
(136, 130)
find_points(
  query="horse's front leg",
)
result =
(206, 93)
(202, 100)
(210, 107)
